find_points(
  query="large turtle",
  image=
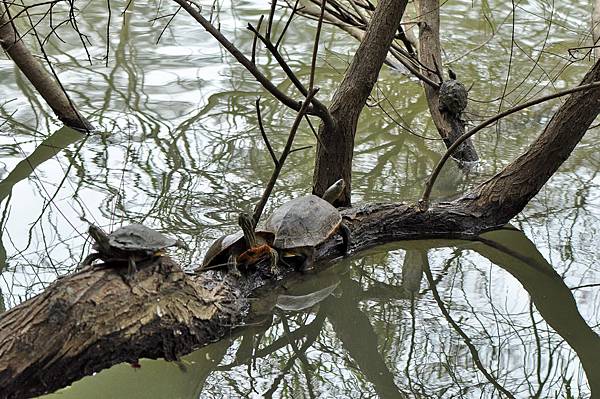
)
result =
(131, 244)
(242, 249)
(452, 95)
(299, 225)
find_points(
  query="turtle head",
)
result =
(246, 222)
(334, 191)
(100, 237)
(451, 74)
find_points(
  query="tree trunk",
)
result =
(43, 82)
(450, 127)
(334, 156)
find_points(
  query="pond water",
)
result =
(179, 149)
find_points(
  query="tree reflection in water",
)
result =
(450, 324)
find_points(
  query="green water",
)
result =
(179, 150)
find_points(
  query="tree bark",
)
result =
(336, 145)
(43, 82)
(91, 320)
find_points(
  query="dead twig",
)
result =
(260, 206)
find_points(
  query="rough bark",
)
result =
(450, 127)
(91, 320)
(43, 82)
(336, 145)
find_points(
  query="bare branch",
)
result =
(260, 206)
(189, 5)
(287, 24)
(264, 135)
(253, 59)
(271, 16)
(313, 64)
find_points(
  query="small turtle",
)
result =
(301, 224)
(452, 95)
(242, 249)
(131, 244)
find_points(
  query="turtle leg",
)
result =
(309, 258)
(132, 268)
(274, 257)
(346, 238)
(88, 260)
(232, 266)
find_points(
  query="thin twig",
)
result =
(306, 147)
(424, 201)
(279, 58)
(253, 58)
(313, 64)
(271, 16)
(264, 135)
(287, 24)
(314, 132)
(108, 31)
(260, 206)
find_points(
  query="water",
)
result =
(179, 150)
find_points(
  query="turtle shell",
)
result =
(222, 247)
(303, 222)
(136, 237)
(453, 96)
(232, 244)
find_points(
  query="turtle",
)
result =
(300, 225)
(132, 243)
(452, 95)
(241, 249)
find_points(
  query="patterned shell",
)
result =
(222, 245)
(303, 222)
(137, 237)
(453, 97)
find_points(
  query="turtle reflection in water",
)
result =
(132, 244)
(292, 231)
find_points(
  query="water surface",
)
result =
(179, 150)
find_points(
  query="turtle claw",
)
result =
(232, 266)
(131, 269)
(274, 261)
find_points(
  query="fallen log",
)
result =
(93, 319)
